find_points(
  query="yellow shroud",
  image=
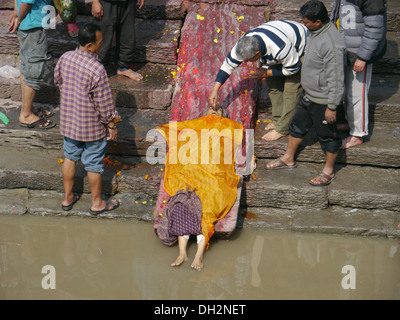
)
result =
(201, 155)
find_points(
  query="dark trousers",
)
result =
(309, 114)
(119, 17)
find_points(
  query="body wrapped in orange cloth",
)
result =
(201, 155)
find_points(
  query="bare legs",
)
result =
(288, 159)
(197, 263)
(28, 94)
(95, 182)
(182, 257)
(26, 115)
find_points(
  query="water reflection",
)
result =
(123, 259)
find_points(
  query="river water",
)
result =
(89, 258)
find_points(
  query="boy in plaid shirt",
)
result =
(87, 115)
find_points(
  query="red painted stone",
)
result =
(208, 35)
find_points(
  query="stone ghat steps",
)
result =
(289, 9)
(157, 40)
(334, 220)
(135, 139)
(367, 188)
(32, 183)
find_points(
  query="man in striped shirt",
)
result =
(280, 46)
(87, 114)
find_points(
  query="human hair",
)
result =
(247, 48)
(314, 10)
(87, 34)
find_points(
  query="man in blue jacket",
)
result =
(363, 25)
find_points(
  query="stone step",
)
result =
(384, 100)
(153, 92)
(390, 62)
(39, 169)
(289, 9)
(157, 40)
(132, 133)
(334, 220)
(382, 150)
(153, 9)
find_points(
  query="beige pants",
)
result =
(284, 93)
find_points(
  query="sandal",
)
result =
(69, 207)
(43, 113)
(279, 164)
(106, 208)
(73, 29)
(40, 124)
(323, 179)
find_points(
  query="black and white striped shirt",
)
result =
(281, 43)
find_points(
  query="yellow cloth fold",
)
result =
(201, 155)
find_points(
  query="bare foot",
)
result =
(130, 74)
(270, 126)
(29, 119)
(197, 263)
(181, 259)
(273, 135)
(351, 141)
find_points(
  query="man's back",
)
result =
(86, 97)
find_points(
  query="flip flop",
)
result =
(43, 113)
(108, 203)
(69, 207)
(323, 177)
(38, 124)
(279, 164)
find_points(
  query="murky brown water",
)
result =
(123, 259)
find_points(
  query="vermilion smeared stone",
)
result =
(208, 35)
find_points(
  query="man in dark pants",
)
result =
(323, 82)
(118, 16)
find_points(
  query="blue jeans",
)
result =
(90, 153)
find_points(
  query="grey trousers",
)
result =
(33, 56)
(118, 18)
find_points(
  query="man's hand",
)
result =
(112, 133)
(141, 3)
(97, 9)
(261, 73)
(213, 98)
(13, 23)
(330, 116)
(359, 65)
